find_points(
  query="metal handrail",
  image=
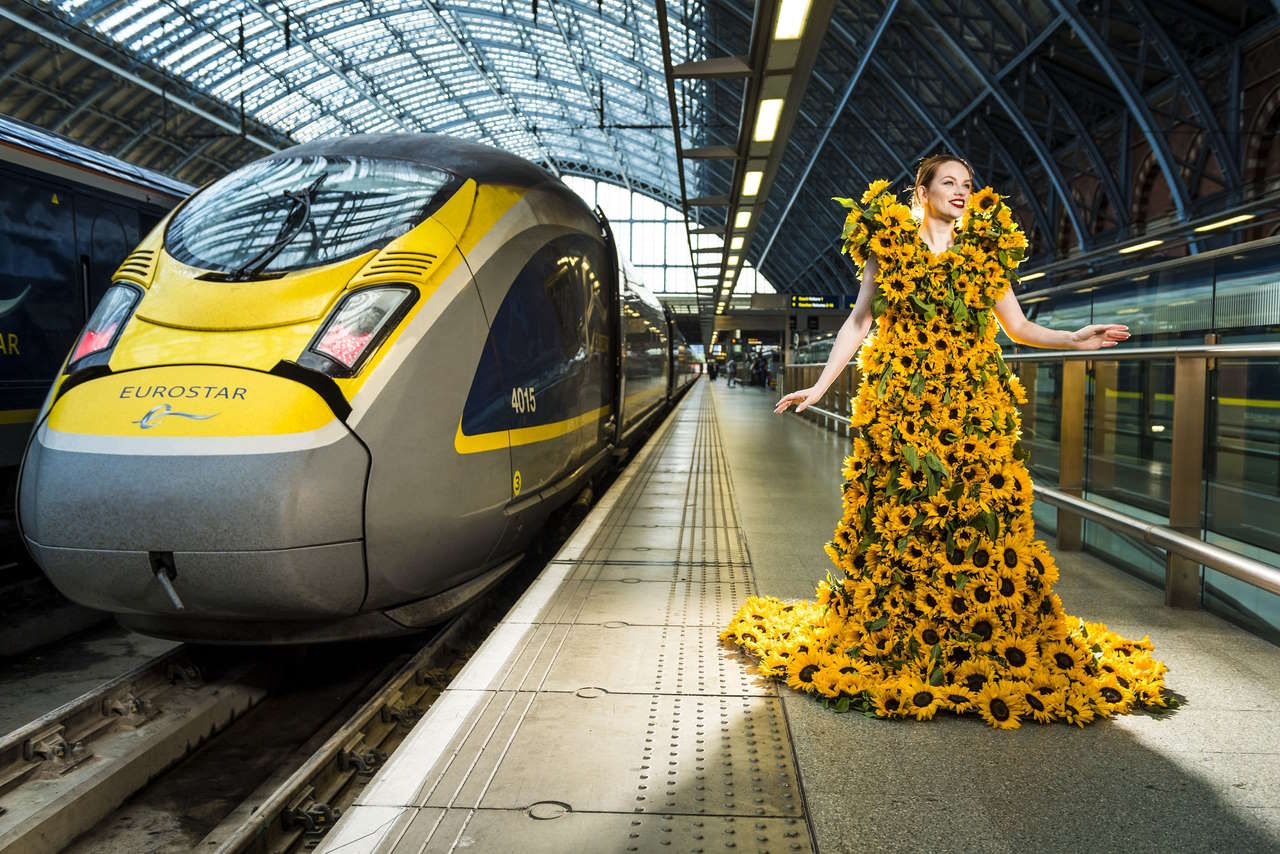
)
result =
(1111, 354)
(1246, 569)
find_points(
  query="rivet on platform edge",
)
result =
(547, 810)
(590, 693)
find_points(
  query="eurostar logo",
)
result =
(153, 416)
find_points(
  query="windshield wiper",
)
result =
(300, 202)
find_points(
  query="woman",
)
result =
(943, 599)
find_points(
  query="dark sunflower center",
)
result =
(958, 603)
(955, 558)
(930, 600)
(1015, 656)
(749, 636)
(1034, 702)
(982, 594)
(930, 637)
(1063, 660)
(921, 699)
(982, 629)
(806, 672)
(975, 681)
(959, 655)
(997, 480)
(847, 669)
(999, 709)
(1035, 561)
(957, 699)
(1111, 695)
(892, 703)
(981, 557)
(1010, 558)
(1006, 587)
(860, 561)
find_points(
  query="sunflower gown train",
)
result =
(943, 598)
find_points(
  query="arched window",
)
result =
(652, 236)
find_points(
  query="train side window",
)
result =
(564, 292)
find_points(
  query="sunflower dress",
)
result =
(942, 598)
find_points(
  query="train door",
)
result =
(105, 233)
(611, 428)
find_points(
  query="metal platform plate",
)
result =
(603, 714)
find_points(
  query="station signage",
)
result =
(815, 301)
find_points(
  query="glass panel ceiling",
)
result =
(521, 75)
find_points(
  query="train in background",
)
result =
(337, 392)
(68, 217)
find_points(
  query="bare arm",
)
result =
(848, 340)
(1022, 331)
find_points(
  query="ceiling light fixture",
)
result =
(742, 220)
(767, 119)
(1140, 246)
(751, 182)
(736, 243)
(792, 16)
(1231, 220)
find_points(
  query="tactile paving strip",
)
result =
(616, 721)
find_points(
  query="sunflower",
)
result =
(1000, 704)
(927, 634)
(983, 623)
(1079, 705)
(887, 700)
(954, 606)
(957, 698)
(1039, 706)
(920, 699)
(1009, 588)
(974, 675)
(1114, 698)
(1065, 658)
(826, 681)
(1019, 655)
(874, 189)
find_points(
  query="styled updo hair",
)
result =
(925, 173)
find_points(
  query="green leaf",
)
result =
(878, 623)
(878, 304)
(932, 461)
(913, 647)
(935, 652)
(968, 553)
(962, 578)
(917, 384)
(960, 310)
(936, 676)
(848, 203)
(884, 380)
(902, 543)
(842, 705)
(931, 478)
(913, 457)
(956, 490)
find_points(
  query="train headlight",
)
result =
(103, 329)
(357, 327)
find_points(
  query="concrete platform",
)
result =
(603, 715)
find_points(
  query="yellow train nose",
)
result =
(245, 482)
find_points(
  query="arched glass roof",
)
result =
(577, 85)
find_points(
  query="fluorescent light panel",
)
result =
(736, 243)
(792, 16)
(1137, 247)
(742, 220)
(1232, 220)
(767, 116)
(751, 182)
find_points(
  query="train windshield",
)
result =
(289, 213)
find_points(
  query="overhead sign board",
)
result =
(815, 301)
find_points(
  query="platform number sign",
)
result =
(515, 483)
(522, 399)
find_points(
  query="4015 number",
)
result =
(522, 399)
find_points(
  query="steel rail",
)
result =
(1227, 562)
(304, 804)
(67, 770)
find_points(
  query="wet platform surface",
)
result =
(603, 714)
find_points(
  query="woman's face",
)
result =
(948, 192)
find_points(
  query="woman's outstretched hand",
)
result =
(1099, 335)
(800, 397)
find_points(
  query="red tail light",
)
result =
(355, 329)
(104, 327)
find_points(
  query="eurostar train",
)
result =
(336, 393)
